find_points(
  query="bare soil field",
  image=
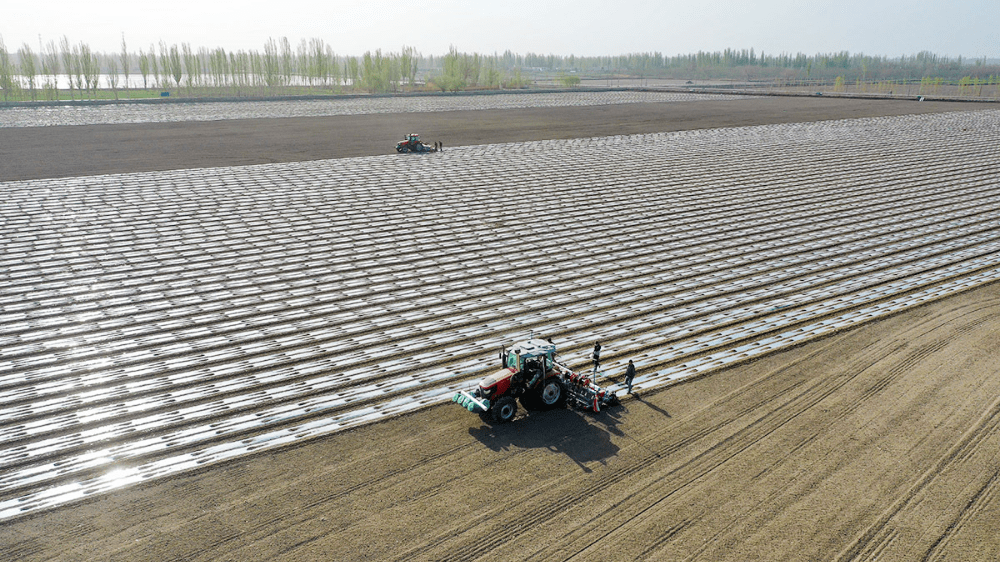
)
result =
(52, 152)
(878, 442)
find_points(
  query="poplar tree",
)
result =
(408, 65)
(144, 68)
(50, 67)
(368, 72)
(67, 57)
(90, 65)
(83, 66)
(6, 72)
(287, 62)
(333, 67)
(126, 60)
(271, 64)
(218, 64)
(192, 66)
(351, 71)
(257, 70)
(112, 64)
(77, 61)
(304, 62)
(29, 68)
(235, 69)
(164, 65)
(154, 66)
(204, 58)
(176, 69)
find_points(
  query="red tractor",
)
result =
(412, 143)
(531, 374)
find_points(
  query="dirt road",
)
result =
(878, 442)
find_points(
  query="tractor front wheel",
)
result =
(504, 410)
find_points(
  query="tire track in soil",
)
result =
(416, 492)
(816, 431)
(880, 533)
(970, 317)
(727, 449)
(272, 523)
(25, 548)
(670, 534)
(911, 360)
(812, 475)
(976, 505)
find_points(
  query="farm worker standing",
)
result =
(596, 356)
(629, 375)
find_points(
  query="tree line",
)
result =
(312, 66)
(749, 64)
(74, 69)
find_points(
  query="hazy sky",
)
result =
(970, 28)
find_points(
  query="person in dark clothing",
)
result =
(596, 356)
(629, 375)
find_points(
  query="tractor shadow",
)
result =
(583, 437)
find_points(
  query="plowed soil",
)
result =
(878, 442)
(52, 152)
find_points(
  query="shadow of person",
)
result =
(654, 407)
(567, 431)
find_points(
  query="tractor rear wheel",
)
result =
(553, 395)
(504, 410)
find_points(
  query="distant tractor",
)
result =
(412, 143)
(531, 375)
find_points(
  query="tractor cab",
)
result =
(523, 367)
(528, 355)
(412, 141)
